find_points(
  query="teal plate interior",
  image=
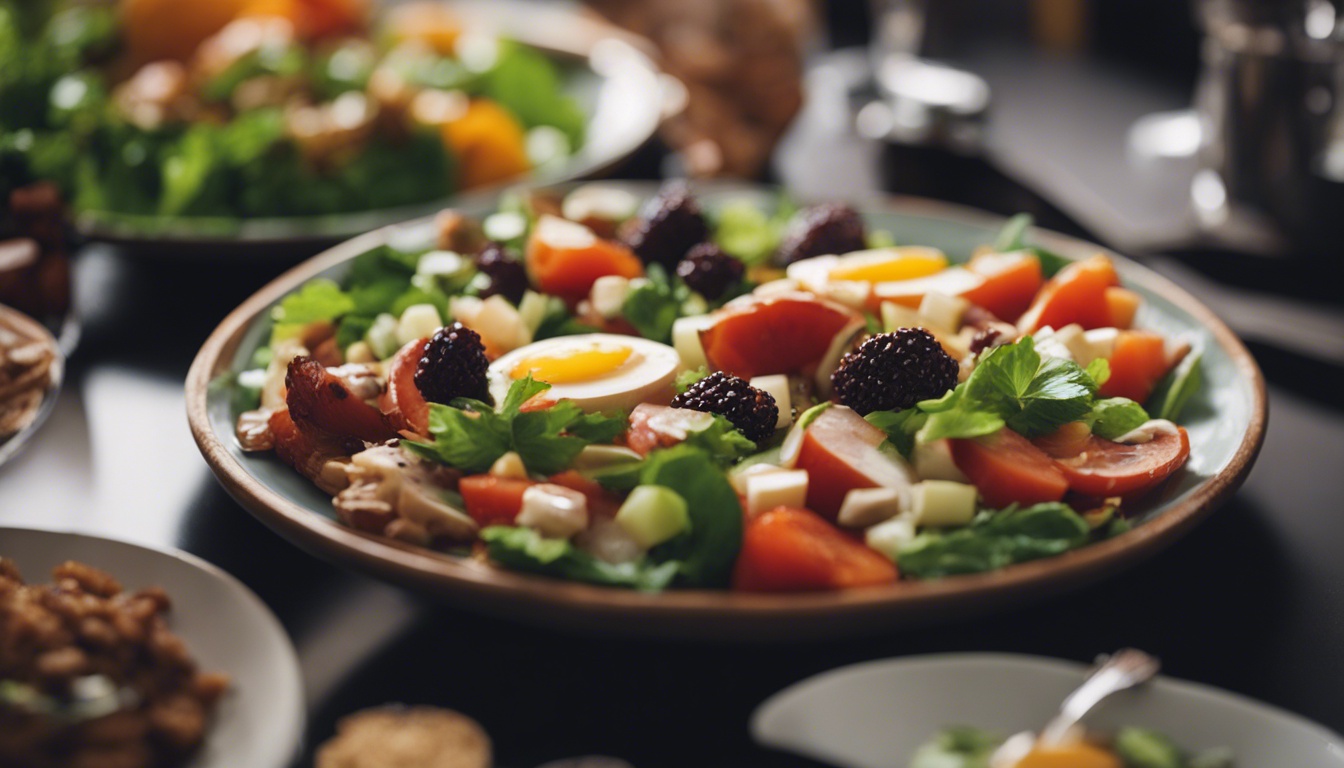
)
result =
(1225, 420)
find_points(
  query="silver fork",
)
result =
(1120, 671)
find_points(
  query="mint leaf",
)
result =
(523, 549)
(1114, 416)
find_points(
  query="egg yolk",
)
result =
(1081, 755)
(905, 266)
(572, 365)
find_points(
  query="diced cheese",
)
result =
(933, 461)
(777, 385)
(608, 295)
(776, 489)
(686, 340)
(865, 507)
(890, 537)
(554, 511)
(942, 311)
(941, 503)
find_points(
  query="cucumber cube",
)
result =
(652, 514)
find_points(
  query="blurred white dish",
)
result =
(876, 714)
(226, 627)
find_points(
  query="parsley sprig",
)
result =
(1013, 386)
(470, 435)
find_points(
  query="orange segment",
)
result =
(1076, 295)
(488, 142)
(1011, 281)
(1123, 304)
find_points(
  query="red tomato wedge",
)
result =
(401, 403)
(784, 334)
(840, 452)
(1105, 468)
(600, 501)
(321, 404)
(1011, 281)
(493, 500)
(794, 550)
(1007, 469)
(565, 259)
(1138, 362)
(1076, 295)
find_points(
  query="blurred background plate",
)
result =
(614, 79)
(1226, 422)
(875, 714)
(27, 327)
(259, 723)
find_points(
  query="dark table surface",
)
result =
(1251, 601)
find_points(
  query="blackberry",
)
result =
(893, 371)
(453, 365)
(507, 276)
(669, 225)
(751, 410)
(709, 271)
(822, 229)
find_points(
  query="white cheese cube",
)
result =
(608, 295)
(777, 287)
(499, 322)
(504, 226)
(599, 201)
(1101, 343)
(739, 477)
(933, 461)
(941, 503)
(563, 234)
(686, 340)
(778, 387)
(554, 511)
(776, 489)
(942, 311)
(899, 316)
(890, 537)
(865, 507)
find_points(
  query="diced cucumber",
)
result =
(933, 461)
(382, 336)
(653, 514)
(417, 322)
(1142, 748)
(942, 503)
(533, 310)
(891, 536)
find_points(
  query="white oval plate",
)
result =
(876, 714)
(259, 723)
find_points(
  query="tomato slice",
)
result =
(1105, 468)
(1007, 469)
(493, 500)
(794, 550)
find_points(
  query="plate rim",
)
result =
(1036, 664)
(299, 712)
(751, 615)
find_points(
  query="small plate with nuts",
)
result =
(31, 369)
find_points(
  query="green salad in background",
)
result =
(291, 108)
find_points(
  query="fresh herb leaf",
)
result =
(471, 436)
(1175, 389)
(747, 233)
(995, 540)
(1032, 396)
(722, 442)
(559, 322)
(957, 423)
(706, 552)
(686, 378)
(957, 747)
(1114, 416)
(656, 304)
(523, 549)
(1013, 237)
(317, 300)
(1100, 371)
(900, 426)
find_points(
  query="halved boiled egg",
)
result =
(827, 275)
(597, 371)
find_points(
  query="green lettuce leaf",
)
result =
(523, 549)
(995, 540)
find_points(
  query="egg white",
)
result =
(648, 376)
